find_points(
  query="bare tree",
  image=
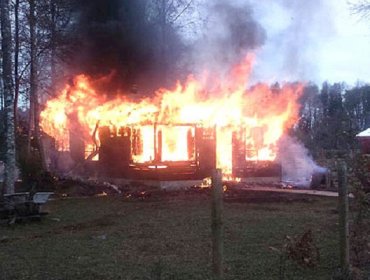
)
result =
(2, 98)
(53, 45)
(6, 46)
(361, 8)
(167, 15)
(34, 98)
(33, 74)
(16, 59)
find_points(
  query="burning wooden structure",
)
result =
(246, 162)
(181, 134)
(121, 153)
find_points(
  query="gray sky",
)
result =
(314, 40)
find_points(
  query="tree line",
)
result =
(33, 41)
(332, 115)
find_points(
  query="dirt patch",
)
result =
(235, 193)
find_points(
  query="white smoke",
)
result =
(298, 165)
(290, 38)
(296, 31)
(229, 31)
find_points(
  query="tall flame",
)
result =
(262, 112)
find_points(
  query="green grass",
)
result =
(165, 238)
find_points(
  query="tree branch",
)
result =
(362, 9)
(183, 10)
(29, 62)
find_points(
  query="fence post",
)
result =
(217, 225)
(343, 218)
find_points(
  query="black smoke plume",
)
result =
(124, 40)
(132, 42)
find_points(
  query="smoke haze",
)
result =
(293, 40)
(297, 164)
(229, 32)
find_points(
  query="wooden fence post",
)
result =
(217, 225)
(343, 218)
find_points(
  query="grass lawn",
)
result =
(167, 237)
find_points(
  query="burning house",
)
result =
(178, 134)
(141, 151)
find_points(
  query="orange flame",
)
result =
(261, 112)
